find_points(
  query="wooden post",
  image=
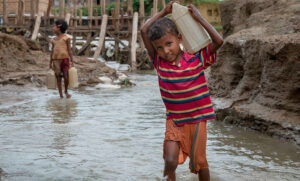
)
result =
(96, 16)
(122, 17)
(154, 7)
(71, 23)
(163, 2)
(142, 14)
(142, 8)
(117, 28)
(80, 17)
(75, 15)
(75, 26)
(36, 27)
(90, 10)
(129, 9)
(21, 10)
(74, 43)
(101, 36)
(49, 8)
(61, 8)
(55, 15)
(133, 41)
(67, 18)
(4, 12)
(103, 10)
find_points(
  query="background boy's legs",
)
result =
(58, 79)
(171, 159)
(66, 80)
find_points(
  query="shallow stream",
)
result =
(117, 135)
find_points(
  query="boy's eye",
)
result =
(169, 44)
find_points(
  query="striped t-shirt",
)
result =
(183, 87)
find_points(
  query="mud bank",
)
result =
(258, 68)
(22, 62)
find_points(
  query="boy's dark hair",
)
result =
(62, 25)
(161, 27)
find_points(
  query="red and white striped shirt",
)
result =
(183, 87)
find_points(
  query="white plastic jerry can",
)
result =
(194, 36)
(73, 78)
(51, 80)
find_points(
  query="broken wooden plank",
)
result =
(118, 40)
(36, 27)
(101, 36)
(133, 41)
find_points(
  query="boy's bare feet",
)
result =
(68, 95)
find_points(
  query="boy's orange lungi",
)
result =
(192, 142)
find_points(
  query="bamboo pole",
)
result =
(101, 36)
(61, 8)
(36, 27)
(4, 12)
(133, 41)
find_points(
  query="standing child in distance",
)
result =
(60, 56)
(183, 89)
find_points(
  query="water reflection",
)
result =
(62, 110)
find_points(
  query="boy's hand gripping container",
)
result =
(73, 78)
(51, 80)
(194, 36)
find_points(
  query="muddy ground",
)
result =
(22, 62)
(258, 68)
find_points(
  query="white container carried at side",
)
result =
(51, 80)
(73, 78)
(194, 36)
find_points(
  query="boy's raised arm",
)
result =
(217, 40)
(144, 29)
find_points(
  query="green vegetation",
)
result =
(136, 5)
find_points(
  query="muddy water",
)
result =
(117, 135)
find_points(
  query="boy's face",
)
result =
(167, 47)
(56, 29)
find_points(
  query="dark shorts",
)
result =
(61, 67)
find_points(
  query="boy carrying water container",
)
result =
(183, 89)
(60, 55)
